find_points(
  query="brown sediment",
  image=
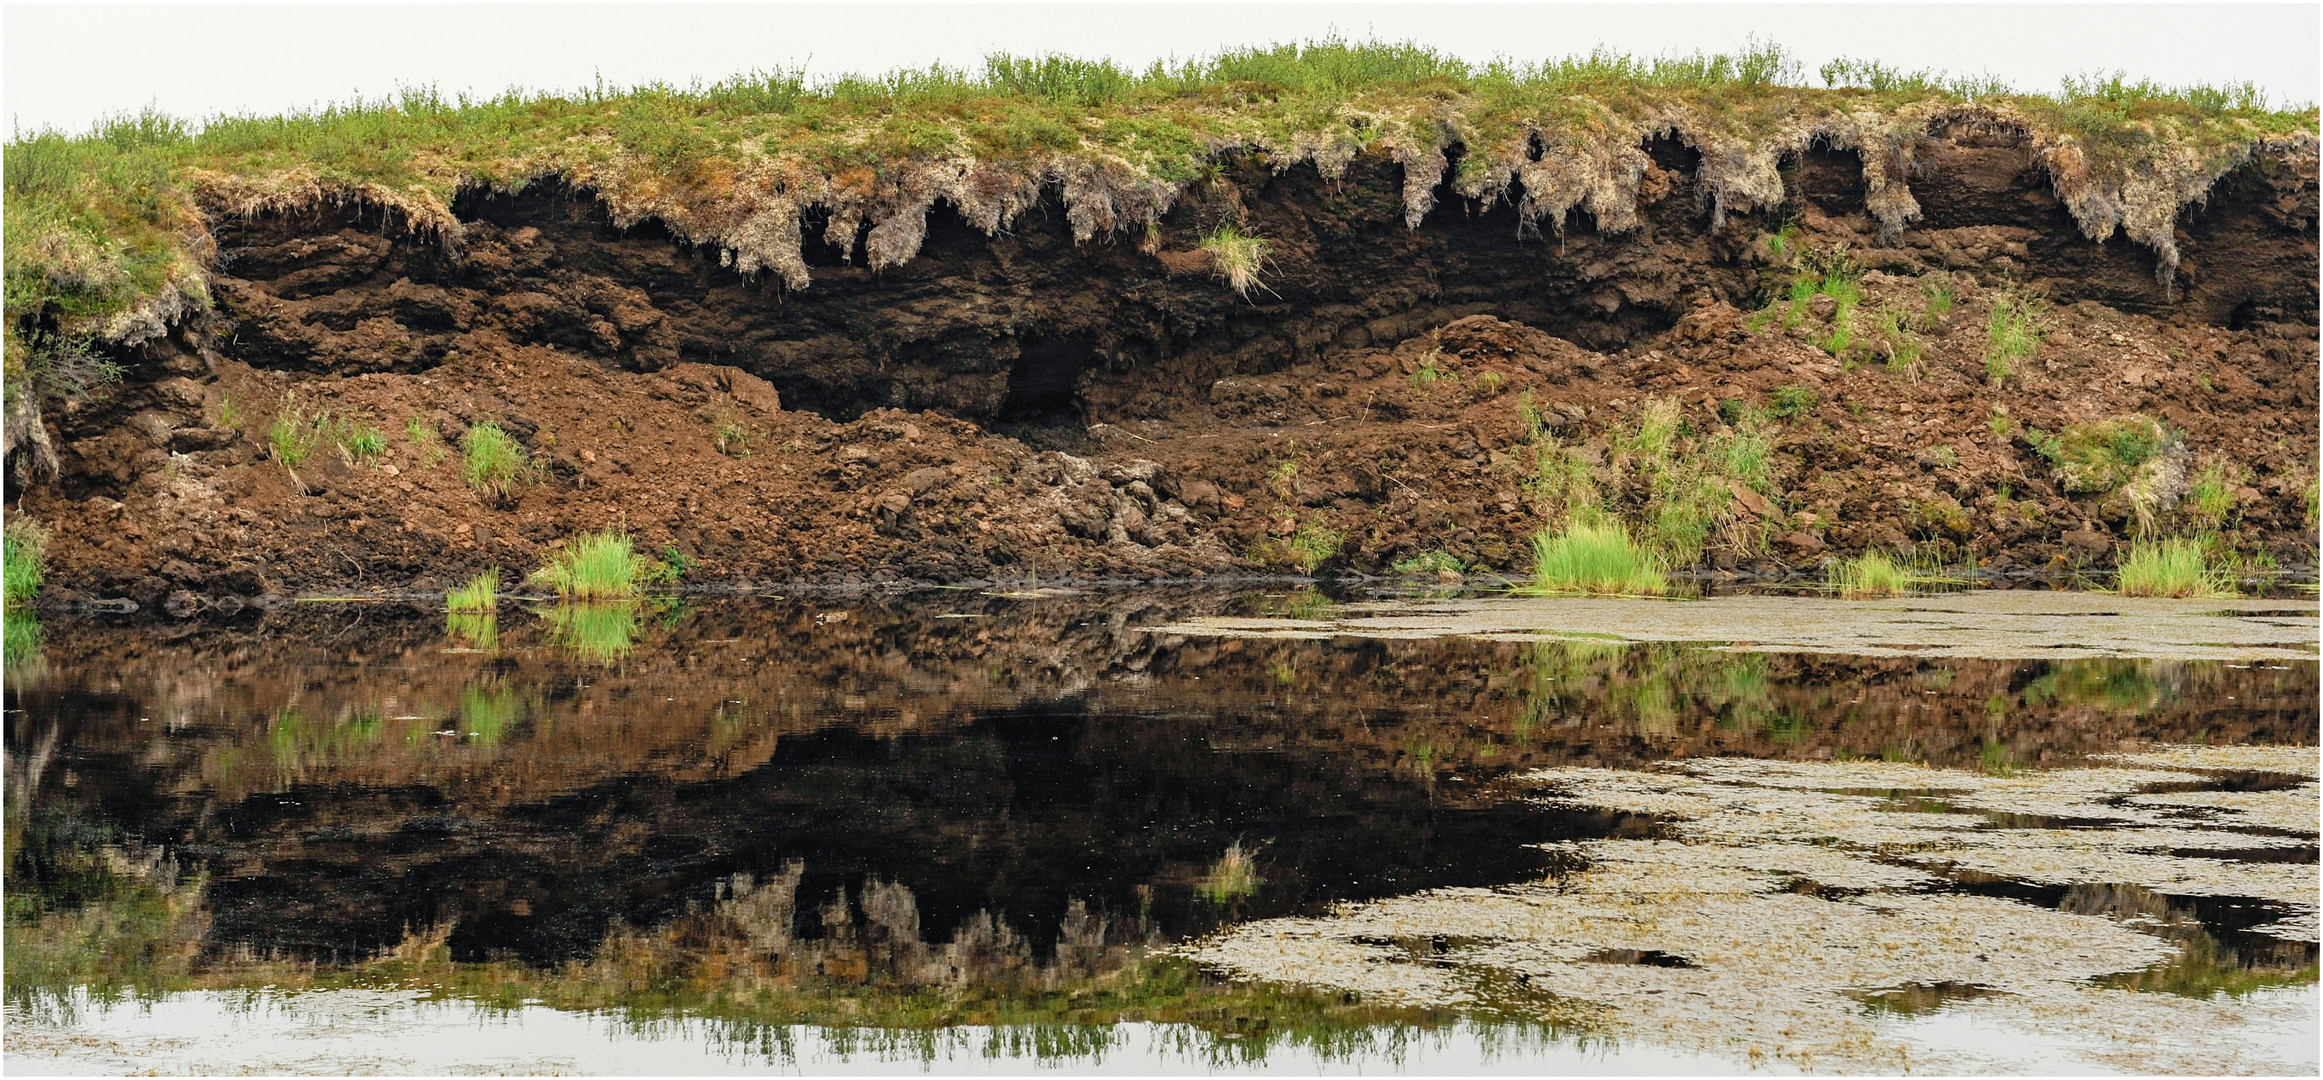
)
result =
(986, 387)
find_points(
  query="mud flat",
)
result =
(2016, 625)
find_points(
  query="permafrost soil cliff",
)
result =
(1378, 339)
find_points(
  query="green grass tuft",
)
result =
(292, 436)
(1791, 402)
(481, 593)
(1746, 454)
(1427, 375)
(732, 439)
(2012, 337)
(1938, 297)
(1657, 428)
(1312, 545)
(1903, 348)
(2171, 567)
(491, 459)
(1875, 574)
(23, 560)
(1598, 557)
(359, 443)
(2210, 498)
(597, 566)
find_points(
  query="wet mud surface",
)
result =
(962, 811)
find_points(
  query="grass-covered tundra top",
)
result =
(110, 230)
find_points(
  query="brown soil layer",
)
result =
(1026, 405)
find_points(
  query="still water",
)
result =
(1175, 831)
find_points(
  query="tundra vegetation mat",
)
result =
(971, 828)
(1319, 309)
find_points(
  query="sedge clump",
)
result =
(599, 566)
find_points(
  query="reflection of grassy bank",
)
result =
(479, 630)
(136, 942)
(1651, 689)
(20, 647)
(594, 633)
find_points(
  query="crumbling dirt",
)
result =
(1026, 406)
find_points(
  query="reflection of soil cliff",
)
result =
(345, 779)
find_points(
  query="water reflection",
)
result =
(947, 810)
(24, 663)
(595, 633)
(478, 630)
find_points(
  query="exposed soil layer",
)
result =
(1022, 405)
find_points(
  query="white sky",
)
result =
(67, 64)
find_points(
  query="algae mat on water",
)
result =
(1984, 625)
(1840, 916)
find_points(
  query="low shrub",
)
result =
(2099, 457)
(1430, 562)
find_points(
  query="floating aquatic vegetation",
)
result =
(2295, 760)
(1786, 892)
(2282, 808)
(1993, 625)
